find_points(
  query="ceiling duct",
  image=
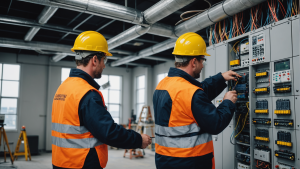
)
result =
(59, 50)
(43, 18)
(155, 13)
(96, 7)
(215, 14)
(102, 8)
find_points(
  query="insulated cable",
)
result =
(193, 11)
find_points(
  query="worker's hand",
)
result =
(146, 140)
(230, 75)
(231, 95)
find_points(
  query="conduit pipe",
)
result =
(96, 7)
(155, 13)
(215, 14)
(43, 18)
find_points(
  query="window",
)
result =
(112, 95)
(65, 72)
(161, 76)
(9, 86)
(140, 94)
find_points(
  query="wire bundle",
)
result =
(233, 26)
(261, 165)
(244, 121)
(193, 11)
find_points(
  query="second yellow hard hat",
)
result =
(91, 41)
(190, 44)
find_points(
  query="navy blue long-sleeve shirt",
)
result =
(211, 119)
(94, 116)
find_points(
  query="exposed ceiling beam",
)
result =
(215, 14)
(82, 22)
(31, 23)
(43, 18)
(118, 12)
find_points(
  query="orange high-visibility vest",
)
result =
(71, 142)
(174, 140)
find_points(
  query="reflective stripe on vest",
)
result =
(181, 138)
(76, 143)
(65, 128)
(176, 131)
(183, 142)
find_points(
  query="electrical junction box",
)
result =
(262, 155)
(282, 72)
(258, 48)
(245, 48)
(243, 166)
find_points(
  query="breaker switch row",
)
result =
(285, 154)
(283, 122)
(262, 90)
(261, 121)
(261, 74)
(282, 89)
(287, 112)
(284, 139)
(283, 143)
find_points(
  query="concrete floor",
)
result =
(115, 161)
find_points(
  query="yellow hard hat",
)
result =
(91, 41)
(190, 44)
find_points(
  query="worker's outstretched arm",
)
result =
(213, 86)
(210, 119)
(100, 123)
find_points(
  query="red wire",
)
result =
(281, 8)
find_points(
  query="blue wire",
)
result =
(262, 16)
(277, 10)
(247, 27)
(267, 19)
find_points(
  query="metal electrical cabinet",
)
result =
(265, 128)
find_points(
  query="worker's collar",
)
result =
(82, 74)
(174, 72)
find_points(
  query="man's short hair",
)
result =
(85, 61)
(185, 60)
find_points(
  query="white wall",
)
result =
(39, 80)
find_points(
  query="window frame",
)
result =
(157, 80)
(136, 95)
(108, 91)
(7, 97)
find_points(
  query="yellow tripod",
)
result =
(5, 141)
(23, 137)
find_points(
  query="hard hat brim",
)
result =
(107, 53)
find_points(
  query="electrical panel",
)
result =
(258, 48)
(264, 125)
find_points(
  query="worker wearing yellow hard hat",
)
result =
(81, 125)
(185, 118)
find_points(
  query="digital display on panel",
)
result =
(282, 65)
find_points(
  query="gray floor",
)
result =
(115, 161)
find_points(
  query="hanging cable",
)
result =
(194, 11)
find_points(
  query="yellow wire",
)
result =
(234, 46)
(247, 104)
(237, 122)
